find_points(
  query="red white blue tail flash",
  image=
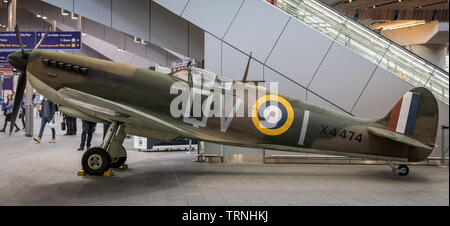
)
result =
(404, 113)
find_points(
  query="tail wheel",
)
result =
(118, 162)
(402, 170)
(95, 161)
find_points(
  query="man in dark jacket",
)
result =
(48, 109)
(88, 129)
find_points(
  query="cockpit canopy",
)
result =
(203, 78)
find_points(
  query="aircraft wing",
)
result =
(144, 123)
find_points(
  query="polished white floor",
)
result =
(45, 174)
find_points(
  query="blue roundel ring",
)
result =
(272, 115)
(268, 124)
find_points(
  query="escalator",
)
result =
(370, 45)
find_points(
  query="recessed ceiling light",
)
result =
(44, 17)
(38, 15)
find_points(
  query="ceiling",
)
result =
(386, 9)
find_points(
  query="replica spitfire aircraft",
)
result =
(147, 103)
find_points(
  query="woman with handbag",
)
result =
(48, 109)
(8, 112)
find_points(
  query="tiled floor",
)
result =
(45, 174)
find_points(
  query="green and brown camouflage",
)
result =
(105, 91)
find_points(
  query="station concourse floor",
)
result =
(46, 174)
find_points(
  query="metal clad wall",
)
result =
(213, 52)
(342, 76)
(234, 63)
(131, 17)
(168, 30)
(375, 102)
(294, 56)
(256, 28)
(96, 10)
(216, 19)
(285, 86)
(176, 6)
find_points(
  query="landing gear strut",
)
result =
(401, 170)
(111, 154)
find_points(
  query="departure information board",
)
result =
(4, 57)
(60, 40)
(8, 40)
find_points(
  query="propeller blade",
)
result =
(18, 99)
(42, 39)
(19, 39)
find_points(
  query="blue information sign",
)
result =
(4, 57)
(61, 40)
(8, 40)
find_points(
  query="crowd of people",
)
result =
(46, 110)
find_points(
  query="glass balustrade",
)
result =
(370, 45)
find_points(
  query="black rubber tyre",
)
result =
(402, 170)
(117, 163)
(95, 161)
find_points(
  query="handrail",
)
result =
(369, 44)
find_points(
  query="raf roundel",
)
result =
(272, 115)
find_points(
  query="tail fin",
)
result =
(416, 115)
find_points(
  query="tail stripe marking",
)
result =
(413, 110)
(392, 125)
(404, 111)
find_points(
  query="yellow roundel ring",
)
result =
(272, 115)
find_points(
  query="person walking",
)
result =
(71, 125)
(8, 113)
(22, 112)
(88, 129)
(48, 109)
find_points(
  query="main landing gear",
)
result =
(401, 170)
(111, 154)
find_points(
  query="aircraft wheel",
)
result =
(118, 162)
(402, 170)
(95, 161)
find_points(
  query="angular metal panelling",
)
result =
(22, 18)
(51, 12)
(93, 28)
(234, 63)
(156, 54)
(298, 52)
(136, 48)
(202, 12)
(132, 17)
(285, 86)
(67, 20)
(114, 37)
(342, 77)
(256, 28)
(381, 94)
(96, 10)
(65, 4)
(196, 42)
(168, 30)
(314, 99)
(123, 57)
(175, 6)
(213, 54)
(142, 62)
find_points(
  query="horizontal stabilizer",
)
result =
(396, 137)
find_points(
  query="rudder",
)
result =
(415, 115)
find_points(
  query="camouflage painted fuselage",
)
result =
(147, 91)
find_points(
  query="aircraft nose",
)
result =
(17, 61)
